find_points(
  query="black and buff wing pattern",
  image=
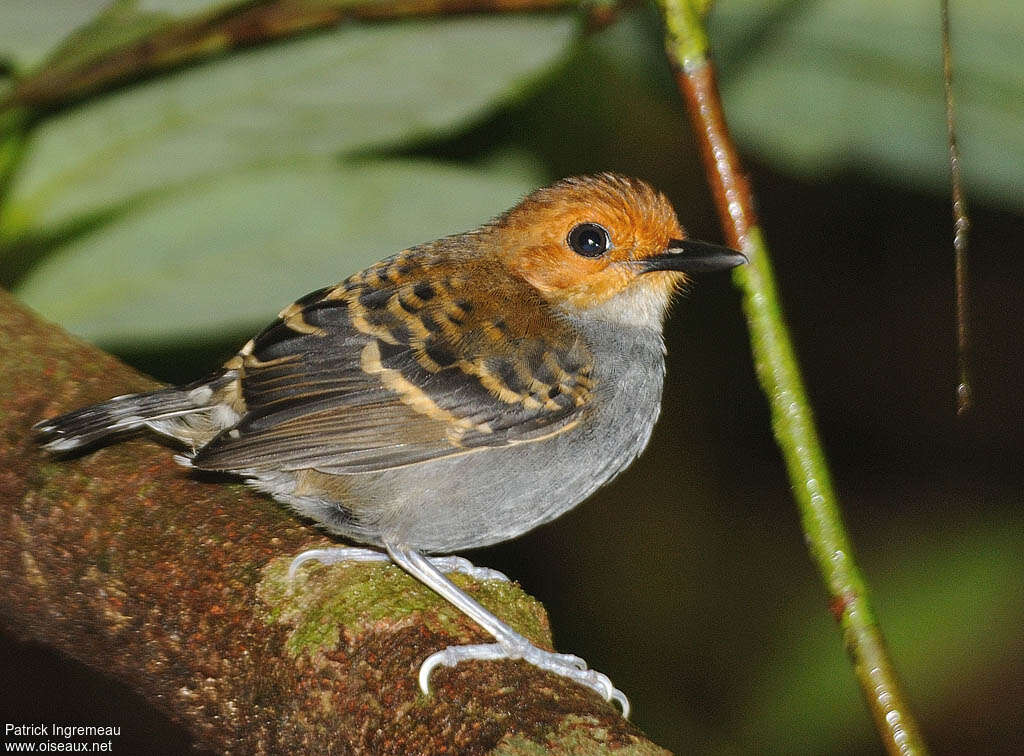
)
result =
(402, 363)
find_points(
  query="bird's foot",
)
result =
(450, 564)
(564, 665)
(510, 645)
(336, 554)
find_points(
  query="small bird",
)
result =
(455, 395)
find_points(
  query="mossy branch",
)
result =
(775, 361)
(176, 585)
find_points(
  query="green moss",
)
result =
(325, 601)
(577, 735)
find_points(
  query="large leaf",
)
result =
(823, 86)
(29, 29)
(342, 90)
(227, 255)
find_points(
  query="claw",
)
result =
(335, 555)
(564, 665)
(449, 564)
(620, 697)
(452, 655)
(511, 645)
(313, 555)
(427, 667)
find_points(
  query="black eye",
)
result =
(589, 240)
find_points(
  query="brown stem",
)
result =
(729, 185)
(794, 424)
(961, 227)
(779, 374)
(176, 585)
(241, 25)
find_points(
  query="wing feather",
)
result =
(400, 364)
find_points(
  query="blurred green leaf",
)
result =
(12, 138)
(950, 613)
(342, 90)
(227, 255)
(819, 87)
(30, 29)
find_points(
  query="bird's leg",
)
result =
(336, 554)
(510, 644)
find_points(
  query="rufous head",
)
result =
(583, 242)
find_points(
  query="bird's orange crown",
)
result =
(537, 239)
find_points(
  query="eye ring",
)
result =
(589, 239)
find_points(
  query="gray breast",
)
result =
(492, 495)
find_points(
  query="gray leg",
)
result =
(510, 644)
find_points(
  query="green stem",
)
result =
(792, 418)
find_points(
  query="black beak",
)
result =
(690, 256)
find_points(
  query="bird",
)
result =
(455, 395)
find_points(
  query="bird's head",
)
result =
(604, 243)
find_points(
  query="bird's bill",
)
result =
(691, 256)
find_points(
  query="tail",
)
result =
(166, 411)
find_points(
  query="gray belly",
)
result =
(491, 495)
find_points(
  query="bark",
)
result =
(175, 584)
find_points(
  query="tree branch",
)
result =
(176, 586)
(779, 374)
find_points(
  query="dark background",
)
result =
(687, 580)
